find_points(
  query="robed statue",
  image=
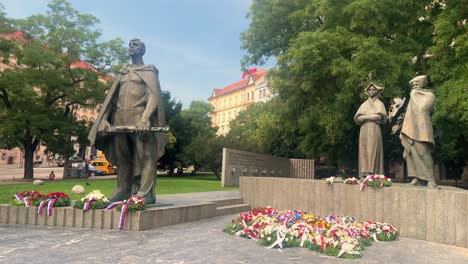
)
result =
(417, 133)
(370, 115)
(128, 127)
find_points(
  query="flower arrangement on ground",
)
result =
(27, 198)
(335, 236)
(93, 200)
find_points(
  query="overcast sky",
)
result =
(195, 44)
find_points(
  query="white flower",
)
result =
(268, 238)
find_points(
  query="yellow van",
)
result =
(102, 164)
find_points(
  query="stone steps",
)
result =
(232, 209)
(229, 201)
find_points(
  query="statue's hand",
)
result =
(374, 117)
(104, 126)
(143, 125)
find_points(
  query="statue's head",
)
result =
(373, 90)
(136, 47)
(418, 82)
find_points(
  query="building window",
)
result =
(223, 117)
(224, 105)
(230, 101)
(236, 100)
(252, 95)
(242, 98)
(248, 96)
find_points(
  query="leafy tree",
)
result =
(40, 94)
(328, 51)
(260, 128)
(172, 153)
(449, 73)
(203, 148)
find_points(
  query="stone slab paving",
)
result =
(195, 242)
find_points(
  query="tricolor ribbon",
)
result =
(88, 203)
(122, 213)
(26, 201)
(114, 205)
(50, 205)
(41, 206)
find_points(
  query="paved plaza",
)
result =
(195, 242)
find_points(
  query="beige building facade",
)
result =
(236, 97)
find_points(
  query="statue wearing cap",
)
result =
(417, 134)
(370, 115)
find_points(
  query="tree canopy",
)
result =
(328, 51)
(57, 68)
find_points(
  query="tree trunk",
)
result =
(29, 148)
(28, 161)
(66, 169)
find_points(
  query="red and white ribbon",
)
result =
(372, 177)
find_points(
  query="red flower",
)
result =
(32, 195)
(58, 195)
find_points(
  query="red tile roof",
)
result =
(82, 65)
(18, 35)
(238, 85)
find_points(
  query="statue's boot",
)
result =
(431, 184)
(414, 182)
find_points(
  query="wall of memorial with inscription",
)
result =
(237, 163)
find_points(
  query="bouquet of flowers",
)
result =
(61, 199)
(93, 200)
(352, 180)
(378, 181)
(135, 203)
(27, 198)
(332, 235)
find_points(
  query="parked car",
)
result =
(104, 165)
(92, 171)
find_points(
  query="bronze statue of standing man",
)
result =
(133, 102)
(417, 134)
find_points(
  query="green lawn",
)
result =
(164, 185)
